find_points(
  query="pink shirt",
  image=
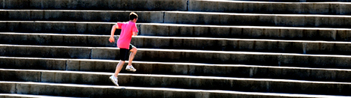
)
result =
(127, 29)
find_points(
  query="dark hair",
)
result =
(133, 15)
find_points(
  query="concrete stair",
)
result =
(267, 6)
(85, 15)
(28, 96)
(179, 81)
(186, 49)
(185, 30)
(183, 17)
(108, 91)
(196, 43)
(173, 55)
(96, 5)
(173, 68)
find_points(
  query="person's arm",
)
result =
(135, 31)
(114, 27)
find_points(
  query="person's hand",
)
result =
(112, 39)
(135, 34)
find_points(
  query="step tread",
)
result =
(172, 24)
(171, 89)
(180, 63)
(184, 50)
(187, 12)
(175, 37)
(180, 76)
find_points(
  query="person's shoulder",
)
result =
(132, 23)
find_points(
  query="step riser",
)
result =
(256, 19)
(180, 69)
(180, 5)
(273, 7)
(6, 95)
(77, 15)
(246, 32)
(60, 27)
(108, 91)
(186, 43)
(96, 5)
(179, 82)
(275, 59)
(60, 40)
(165, 30)
(183, 18)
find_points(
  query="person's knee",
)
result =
(134, 50)
(122, 62)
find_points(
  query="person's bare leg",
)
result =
(131, 56)
(119, 67)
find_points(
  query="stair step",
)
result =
(80, 15)
(295, 20)
(173, 55)
(157, 29)
(8, 95)
(183, 17)
(187, 48)
(197, 43)
(268, 6)
(125, 91)
(93, 4)
(179, 81)
(178, 68)
(261, 32)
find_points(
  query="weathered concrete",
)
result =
(19, 75)
(262, 6)
(38, 51)
(262, 45)
(262, 32)
(133, 92)
(193, 82)
(33, 63)
(5, 95)
(7, 88)
(321, 74)
(295, 20)
(55, 39)
(56, 26)
(198, 75)
(182, 17)
(253, 71)
(80, 15)
(170, 55)
(96, 5)
(155, 29)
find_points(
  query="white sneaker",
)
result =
(114, 80)
(130, 68)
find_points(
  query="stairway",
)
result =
(186, 49)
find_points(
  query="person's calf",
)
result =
(119, 67)
(131, 56)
